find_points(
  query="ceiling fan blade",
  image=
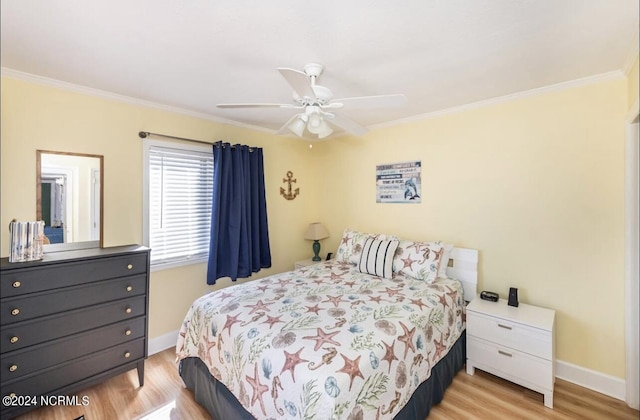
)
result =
(347, 124)
(299, 81)
(257, 105)
(368, 102)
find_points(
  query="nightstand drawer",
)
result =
(510, 364)
(510, 334)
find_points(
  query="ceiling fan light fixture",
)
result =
(297, 126)
(315, 124)
(324, 131)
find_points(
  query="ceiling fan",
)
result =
(318, 116)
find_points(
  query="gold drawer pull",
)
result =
(13, 368)
(16, 284)
(506, 327)
(14, 339)
(504, 353)
(128, 332)
(129, 267)
(15, 312)
(129, 288)
(128, 310)
(127, 355)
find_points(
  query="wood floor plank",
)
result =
(482, 396)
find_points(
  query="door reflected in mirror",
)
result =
(69, 199)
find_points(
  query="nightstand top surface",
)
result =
(307, 262)
(530, 315)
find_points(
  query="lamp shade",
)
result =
(316, 231)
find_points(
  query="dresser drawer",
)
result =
(18, 363)
(27, 333)
(510, 334)
(514, 365)
(66, 374)
(45, 277)
(34, 305)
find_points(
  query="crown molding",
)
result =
(45, 81)
(72, 87)
(558, 87)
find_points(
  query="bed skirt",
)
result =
(222, 404)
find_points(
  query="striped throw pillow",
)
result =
(377, 257)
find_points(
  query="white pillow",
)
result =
(376, 257)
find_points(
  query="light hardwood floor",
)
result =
(481, 396)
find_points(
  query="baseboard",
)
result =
(163, 342)
(587, 378)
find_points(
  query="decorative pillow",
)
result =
(376, 257)
(420, 260)
(352, 243)
(444, 262)
(346, 246)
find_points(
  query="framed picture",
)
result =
(399, 182)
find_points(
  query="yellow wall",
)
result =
(40, 117)
(535, 184)
(633, 87)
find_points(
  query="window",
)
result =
(178, 182)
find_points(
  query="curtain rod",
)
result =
(145, 134)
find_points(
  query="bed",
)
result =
(334, 340)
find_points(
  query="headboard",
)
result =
(463, 266)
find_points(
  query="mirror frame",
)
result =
(71, 245)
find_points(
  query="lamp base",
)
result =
(316, 251)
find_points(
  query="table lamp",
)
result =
(315, 232)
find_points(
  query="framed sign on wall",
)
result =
(399, 182)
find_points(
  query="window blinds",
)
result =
(180, 192)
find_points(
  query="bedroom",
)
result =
(535, 182)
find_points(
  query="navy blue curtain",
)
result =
(239, 242)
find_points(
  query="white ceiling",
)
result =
(193, 54)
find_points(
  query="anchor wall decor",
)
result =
(289, 194)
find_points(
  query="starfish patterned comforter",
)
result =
(324, 341)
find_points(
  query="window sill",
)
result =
(177, 264)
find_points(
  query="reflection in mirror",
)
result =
(69, 199)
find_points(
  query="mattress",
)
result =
(325, 341)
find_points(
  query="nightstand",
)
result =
(515, 343)
(305, 263)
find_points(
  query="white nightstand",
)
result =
(517, 344)
(305, 263)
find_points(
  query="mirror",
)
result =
(69, 197)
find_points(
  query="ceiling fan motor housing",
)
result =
(313, 70)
